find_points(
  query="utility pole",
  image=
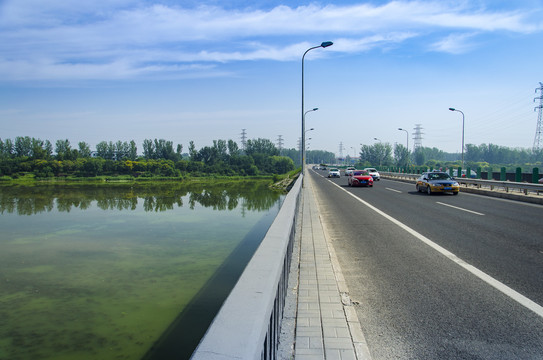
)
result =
(341, 151)
(539, 129)
(300, 148)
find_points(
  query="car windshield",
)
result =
(334, 170)
(360, 173)
(438, 176)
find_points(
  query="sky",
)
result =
(204, 70)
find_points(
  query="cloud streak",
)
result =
(125, 39)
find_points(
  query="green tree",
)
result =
(281, 164)
(48, 148)
(37, 149)
(63, 149)
(377, 154)
(7, 150)
(192, 151)
(401, 155)
(261, 146)
(221, 148)
(149, 149)
(419, 157)
(105, 150)
(84, 149)
(179, 151)
(164, 150)
(132, 151)
(23, 146)
(233, 149)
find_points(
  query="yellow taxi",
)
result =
(437, 182)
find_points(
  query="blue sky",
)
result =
(204, 70)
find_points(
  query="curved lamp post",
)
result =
(460, 111)
(354, 155)
(407, 135)
(323, 45)
(380, 142)
(302, 159)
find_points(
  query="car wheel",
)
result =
(418, 188)
(428, 190)
(455, 193)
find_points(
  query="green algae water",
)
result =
(111, 272)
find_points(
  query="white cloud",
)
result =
(128, 38)
(454, 44)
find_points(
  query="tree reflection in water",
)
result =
(27, 200)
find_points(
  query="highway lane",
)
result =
(415, 303)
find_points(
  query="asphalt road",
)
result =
(440, 276)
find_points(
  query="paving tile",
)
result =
(322, 329)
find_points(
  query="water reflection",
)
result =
(29, 200)
(107, 282)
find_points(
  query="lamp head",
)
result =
(452, 109)
(315, 109)
(326, 44)
(400, 129)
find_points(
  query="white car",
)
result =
(349, 171)
(333, 173)
(374, 173)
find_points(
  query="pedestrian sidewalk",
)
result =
(325, 323)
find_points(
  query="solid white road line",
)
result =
(518, 297)
(459, 208)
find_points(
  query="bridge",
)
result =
(386, 272)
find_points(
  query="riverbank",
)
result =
(281, 182)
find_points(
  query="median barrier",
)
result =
(522, 191)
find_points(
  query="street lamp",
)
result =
(380, 142)
(354, 155)
(460, 111)
(407, 134)
(323, 45)
(302, 154)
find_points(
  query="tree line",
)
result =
(484, 155)
(160, 158)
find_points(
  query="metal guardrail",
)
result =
(507, 186)
(248, 324)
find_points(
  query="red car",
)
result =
(360, 178)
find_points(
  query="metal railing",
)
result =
(507, 186)
(248, 324)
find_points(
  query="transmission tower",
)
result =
(417, 137)
(243, 139)
(280, 142)
(341, 150)
(539, 127)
